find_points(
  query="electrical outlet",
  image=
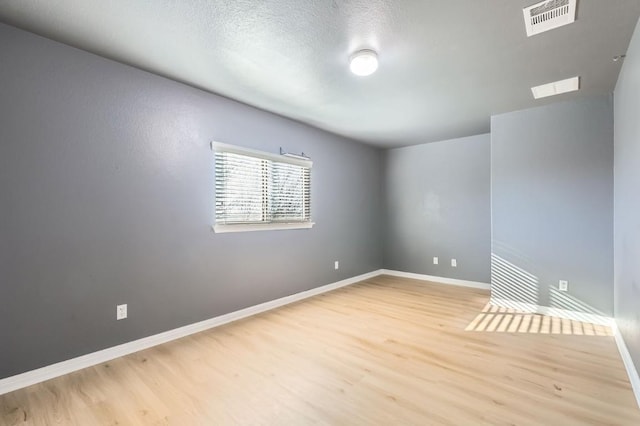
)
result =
(563, 285)
(435, 260)
(121, 312)
(336, 265)
(454, 263)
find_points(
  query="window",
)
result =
(259, 191)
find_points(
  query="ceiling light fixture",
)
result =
(363, 62)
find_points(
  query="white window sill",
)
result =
(222, 228)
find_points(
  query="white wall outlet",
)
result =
(336, 265)
(435, 260)
(563, 285)
(454, 263)
(121, 312)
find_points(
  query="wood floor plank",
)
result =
(384, 351)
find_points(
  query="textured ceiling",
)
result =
(445, 66)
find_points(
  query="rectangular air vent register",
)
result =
(549, 14)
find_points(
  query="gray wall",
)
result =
(552, 205)
(106, 187)
(627, 200)
(438, 204)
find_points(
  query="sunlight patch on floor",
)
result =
(497, 319)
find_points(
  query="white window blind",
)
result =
(256, 190)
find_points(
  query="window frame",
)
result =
(267, 226)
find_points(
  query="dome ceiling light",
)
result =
(364, 62)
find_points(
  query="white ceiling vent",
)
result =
(549, 14)
(556, 88)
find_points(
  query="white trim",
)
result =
(632, 372)
(222, 228)
(436, 279)
(553, 312)
(29, 378)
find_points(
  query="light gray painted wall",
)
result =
(438, 204)
(552, 205)
(106, 188)
(627, 200)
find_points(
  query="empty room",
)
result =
(335, 212)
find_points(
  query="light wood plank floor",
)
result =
(385, 351)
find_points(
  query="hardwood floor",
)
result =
(384, 351)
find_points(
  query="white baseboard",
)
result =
(436, 279)
(29, 378)
(632, 372)
(554, 312)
